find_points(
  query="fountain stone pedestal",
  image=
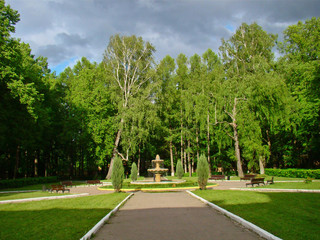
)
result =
(157, 170)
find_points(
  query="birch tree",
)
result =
(128, 60)
(245, 55)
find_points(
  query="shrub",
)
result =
(117, 174)
(308, 180)
(203, 172)
(294, 173)
(179, 170)
(134, 172)
(194, 174)
(21, 182)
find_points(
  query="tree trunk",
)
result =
(139, 159)
(236, 139)
(269, 145)
(36, 160)
(171, 159)
(192, 167)
(197, 140)
(189, 160)
(208, 142)
(181, 139)
(185, 161)
(262, 161)
(115, 149)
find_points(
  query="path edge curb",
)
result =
(261, 232)
(104, 219)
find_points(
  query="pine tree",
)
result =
(179, 170)
(202, 172)
(134, 172)
(117, 174)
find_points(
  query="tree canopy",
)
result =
(240, 107)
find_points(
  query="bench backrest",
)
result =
(66, 183)
(257, 179)
(249, 175)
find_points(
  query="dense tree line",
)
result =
(242, 108)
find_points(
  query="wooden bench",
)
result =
(58, 188)
(255, 181)
(94, 182)
(248, 177)
(217, 177)
(67, 183)
(270, 181)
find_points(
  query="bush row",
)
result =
(294, 173)
(21, 182)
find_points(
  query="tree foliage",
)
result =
(117, 175)
(134, 172)
(241, 107)
(202, 172)
(179, 170)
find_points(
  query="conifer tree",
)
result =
(117, 174)
(202, 172)
(179, 170)
(134, 172)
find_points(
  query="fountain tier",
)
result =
(157, 170)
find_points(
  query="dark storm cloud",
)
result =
(63, 29)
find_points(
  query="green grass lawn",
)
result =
(293, 185)
(125, 180)
(127, 185)
(39, 186)
(275, 178)
(55, 219)
(287, 215)
(12, 196)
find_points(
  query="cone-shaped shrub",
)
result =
(117, 174)
(134, 172)
(179, 170)
(202, 172)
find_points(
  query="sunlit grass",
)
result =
(125, 180)
(40, 186)
(275, 178)
(293, 185)
(286, 215)
(13, 196)
(55, 219)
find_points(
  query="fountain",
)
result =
(157, 170)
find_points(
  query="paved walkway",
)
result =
(175, 215)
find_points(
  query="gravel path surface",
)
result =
(175, 215)
(92, 190)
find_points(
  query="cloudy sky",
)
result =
(66, 30)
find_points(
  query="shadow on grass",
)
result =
(53, 223)
(286, 215)
(55, 219)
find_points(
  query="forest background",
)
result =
(241, 107)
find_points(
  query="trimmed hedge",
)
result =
(294, 173)
(21, 182)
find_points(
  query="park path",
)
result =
(170, 215)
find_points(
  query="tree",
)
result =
(179, 169)
(202, 172)
(128, 60)
(134, 172)
(300, 65)
(117, 175)
(248, 59)
(167, 101)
